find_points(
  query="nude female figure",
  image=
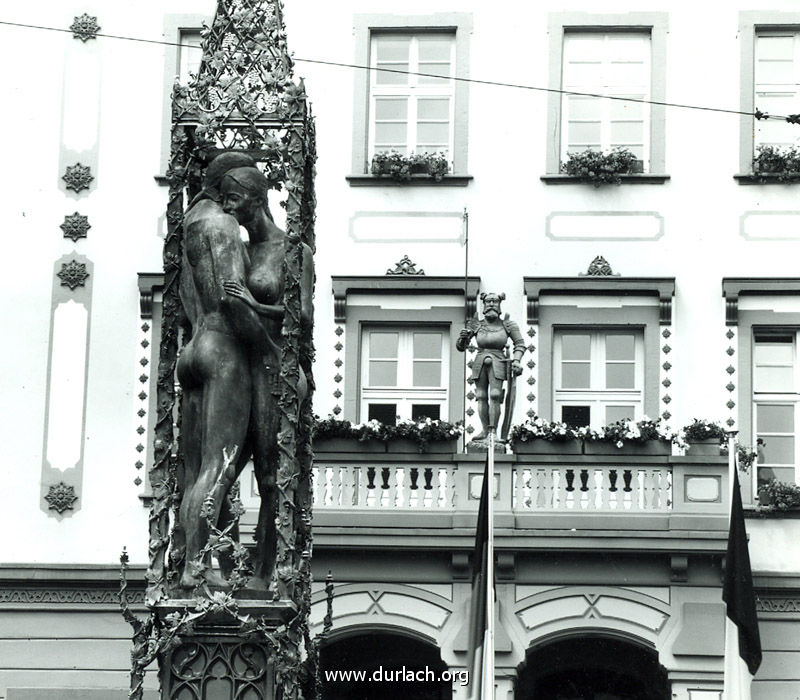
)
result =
(213, 369)
(244, 196)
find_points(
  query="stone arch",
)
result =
(607, 610)
(382, 663)
(399, 608)
(591, 666)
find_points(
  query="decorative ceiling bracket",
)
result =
(75, 226)
(405, 267)
(84, 27)
(599, 267)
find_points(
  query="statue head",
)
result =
(217, 169)
(244, 193)
(491, 304)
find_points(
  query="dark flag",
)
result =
(480, 641)
(743, 642)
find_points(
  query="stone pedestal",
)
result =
(216, 659)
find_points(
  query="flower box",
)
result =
(348, 445)
(547, 447)
(647, 447)
(402, 446)
(703, 447)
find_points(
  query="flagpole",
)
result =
(488, 654)
(465, 220)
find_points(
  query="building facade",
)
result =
(672, 294)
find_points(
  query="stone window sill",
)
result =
(765, 179)
(638, 179)
(416, 180)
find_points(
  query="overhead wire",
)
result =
(757, 114)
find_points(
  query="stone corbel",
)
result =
(339, 308)
(460, 566)
(665, 309)
(506, 566)
(679, 568)
(149, 283)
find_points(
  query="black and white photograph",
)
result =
(400, 350)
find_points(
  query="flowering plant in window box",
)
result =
(600, 168)
(334, 435)
(779, 496)
(643, 437)
(400, 167)
(781, 164)
(703, 437)
(540, 436)
(424, 435)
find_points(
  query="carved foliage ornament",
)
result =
(84, 27)
(405, 267)
(599, 267)
(75, 226)
(61, 496)
(78, 177)
(73, 274)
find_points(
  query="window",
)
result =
(623, 55)
(610, 63)
(181, 59)
(189, 53)
(777, 86)
(598, 376)
(776, 397)
(404, 373)
(412, 113)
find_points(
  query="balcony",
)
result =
(632, 502)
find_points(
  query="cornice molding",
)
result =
(661, 287)
(735, 287)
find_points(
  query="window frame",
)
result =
(593, 395)
(413, 92)
(561, 23)
(607, 105)
(751, 22)
(404, 396)
(174, 27)
(777, 398)
(365, 26)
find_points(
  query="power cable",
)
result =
(757, 114)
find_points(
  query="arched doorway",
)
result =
(387, 659)
(592, 668)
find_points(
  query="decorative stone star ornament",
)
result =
(73, 274)
(75, 226)
(84, 27)
(61, 497)
(78, 177)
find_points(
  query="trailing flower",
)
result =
(538, 428)
(784, 162)
(421, 431)
(700, 429)
(745, 455)
(401, 167)
(779, 496)
(631, 431)
(601, 167)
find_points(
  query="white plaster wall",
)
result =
(701, 207)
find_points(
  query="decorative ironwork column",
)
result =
(243, 99)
